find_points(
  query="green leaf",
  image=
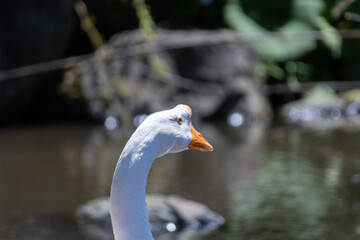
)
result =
(279, 48)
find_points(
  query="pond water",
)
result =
(278, 183)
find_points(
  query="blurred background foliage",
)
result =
(298, 39)
(294, 17)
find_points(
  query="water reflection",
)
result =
(235, 119)
(111, 123)
(353, 110)
(268, 183)
(295, 192)
(138, 119)
(33, 166)
(314, 114)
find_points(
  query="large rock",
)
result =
(170, 217)
(212, 71)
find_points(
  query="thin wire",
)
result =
(176, 43)
(41, 67)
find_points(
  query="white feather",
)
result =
(159, 134)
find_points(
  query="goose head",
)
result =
(168, 131)
(172, 131)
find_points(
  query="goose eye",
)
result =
(180, 120)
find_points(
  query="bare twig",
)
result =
(176, 43)
(352, 16)
(88, 25)
(146, 23)
(341, 6)
(41, 67)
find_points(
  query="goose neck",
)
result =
(127, 200)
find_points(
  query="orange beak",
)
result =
(198, 142)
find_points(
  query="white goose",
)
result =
(163, 132)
